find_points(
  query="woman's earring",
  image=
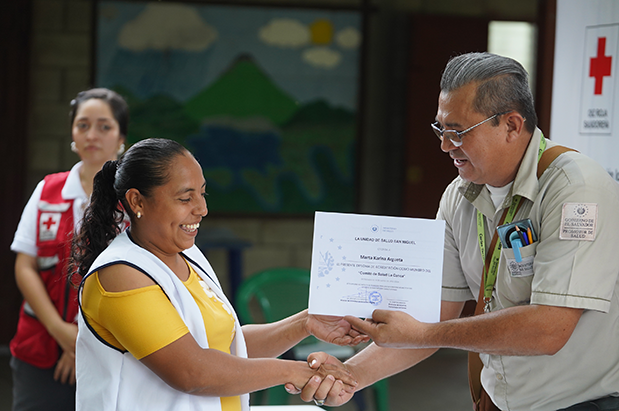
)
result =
(121, 149)
(138, 214)
(73, 147)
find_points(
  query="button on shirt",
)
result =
(566, 273)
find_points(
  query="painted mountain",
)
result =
(243, 91)
(260, 150)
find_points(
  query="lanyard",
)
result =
(489, 277)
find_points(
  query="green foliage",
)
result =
(158, 116)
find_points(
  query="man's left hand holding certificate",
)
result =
(361, 263)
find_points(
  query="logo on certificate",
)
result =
(325, 264)
(375, 298)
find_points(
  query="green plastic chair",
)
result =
(273, 294)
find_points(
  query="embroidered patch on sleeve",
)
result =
(578, 221)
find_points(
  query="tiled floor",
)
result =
(439, 383)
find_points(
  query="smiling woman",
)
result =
(153, 315)
(171, 214)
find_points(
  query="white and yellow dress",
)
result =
(117, 329)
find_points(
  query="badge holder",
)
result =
(517, 235)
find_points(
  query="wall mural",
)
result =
(265, 97)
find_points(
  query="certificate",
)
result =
(365, 262)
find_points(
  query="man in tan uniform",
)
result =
(549, 335)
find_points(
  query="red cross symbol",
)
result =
(49, 223)
(600, 66)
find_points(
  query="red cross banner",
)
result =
(598, 85)
(584, 102)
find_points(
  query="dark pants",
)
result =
(602, 404)
(34, 389)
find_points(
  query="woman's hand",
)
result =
(65, 368)
(65, 335)
(334, 330)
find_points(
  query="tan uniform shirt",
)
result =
(574, 191)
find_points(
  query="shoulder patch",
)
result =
(578, 221)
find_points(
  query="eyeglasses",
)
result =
(456, 136)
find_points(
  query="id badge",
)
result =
(524, 268)
(519, 242)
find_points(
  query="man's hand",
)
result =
(330, 390)
(392, 329)
(520, 330)
(334, 369)
(334, 330)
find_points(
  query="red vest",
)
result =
(32, 343)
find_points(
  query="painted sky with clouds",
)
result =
(310, 53)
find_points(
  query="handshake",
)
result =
(330, 378)
(332, 382)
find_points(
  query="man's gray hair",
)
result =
(503, 84)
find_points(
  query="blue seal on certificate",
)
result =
(375, 298)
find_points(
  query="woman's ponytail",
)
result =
(102, 220)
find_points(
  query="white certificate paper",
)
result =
(365, 262)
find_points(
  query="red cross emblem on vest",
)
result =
(49, 223)
(48, 226)
(600, 66)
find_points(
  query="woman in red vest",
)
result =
(43, 349)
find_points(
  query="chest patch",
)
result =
(48, 226)
(578, 221)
